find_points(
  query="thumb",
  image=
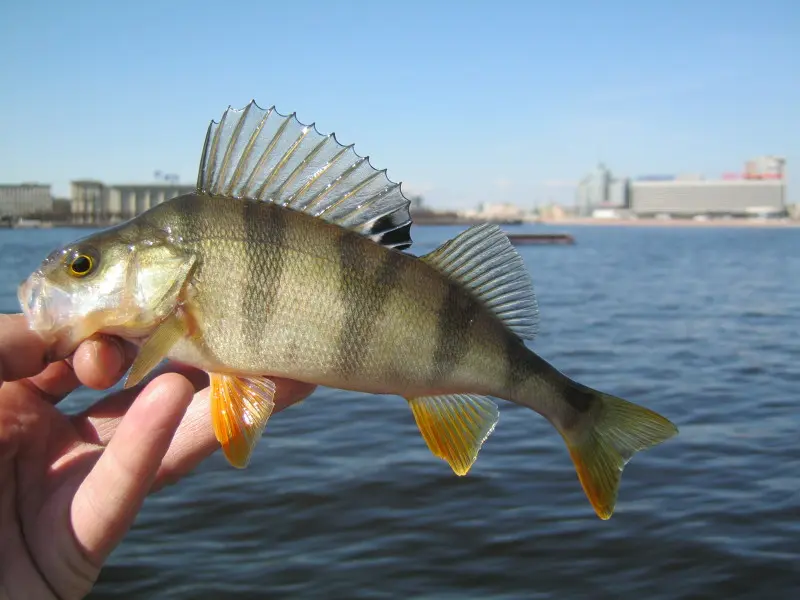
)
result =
(108, 500)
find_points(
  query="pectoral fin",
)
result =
(455, 426)
(156, 348)
(240, 408)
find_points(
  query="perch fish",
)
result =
(289, 261)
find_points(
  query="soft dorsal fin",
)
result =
(264, 155)
(484, 261)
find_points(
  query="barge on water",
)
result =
(519, 239)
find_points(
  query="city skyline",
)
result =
(501, 102)
(752, 168)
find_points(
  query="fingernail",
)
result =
(94, 350)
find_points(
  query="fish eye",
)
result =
(81, 265)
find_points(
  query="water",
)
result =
(343, 499)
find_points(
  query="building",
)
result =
(25, 200)
(592, 190)
(127, 201)
(88, 199)
(618, 193)
(758, 191)
(62, 209)
(600, 189)
(708, 197)
(95, 202)
(764, 167)
(497, 213)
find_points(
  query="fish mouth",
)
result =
(47, 310)
(34, 303)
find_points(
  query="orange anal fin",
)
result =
(240, 409)
(455, 426)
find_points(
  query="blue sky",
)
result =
(464, 102)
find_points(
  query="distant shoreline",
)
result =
(450, 220)
(674, 222)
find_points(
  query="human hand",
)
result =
(71, 486)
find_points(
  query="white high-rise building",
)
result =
(600, 189)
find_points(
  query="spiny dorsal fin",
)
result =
(264, 155)
(484, 261)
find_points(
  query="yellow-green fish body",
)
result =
(288, 262)
(276, 291)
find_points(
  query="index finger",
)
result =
(97, 363)
(23, 353)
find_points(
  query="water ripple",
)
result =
(343, 499)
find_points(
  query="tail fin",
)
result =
(613, 433)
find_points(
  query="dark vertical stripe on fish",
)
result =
(364, 298)
(544, 379)
(579, 397)
(264, 231)
(187, 219)
(456, 316)
(517, 369)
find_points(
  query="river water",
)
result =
(343, 499)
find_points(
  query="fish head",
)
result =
(114, 282)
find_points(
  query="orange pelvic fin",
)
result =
(240, 409)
